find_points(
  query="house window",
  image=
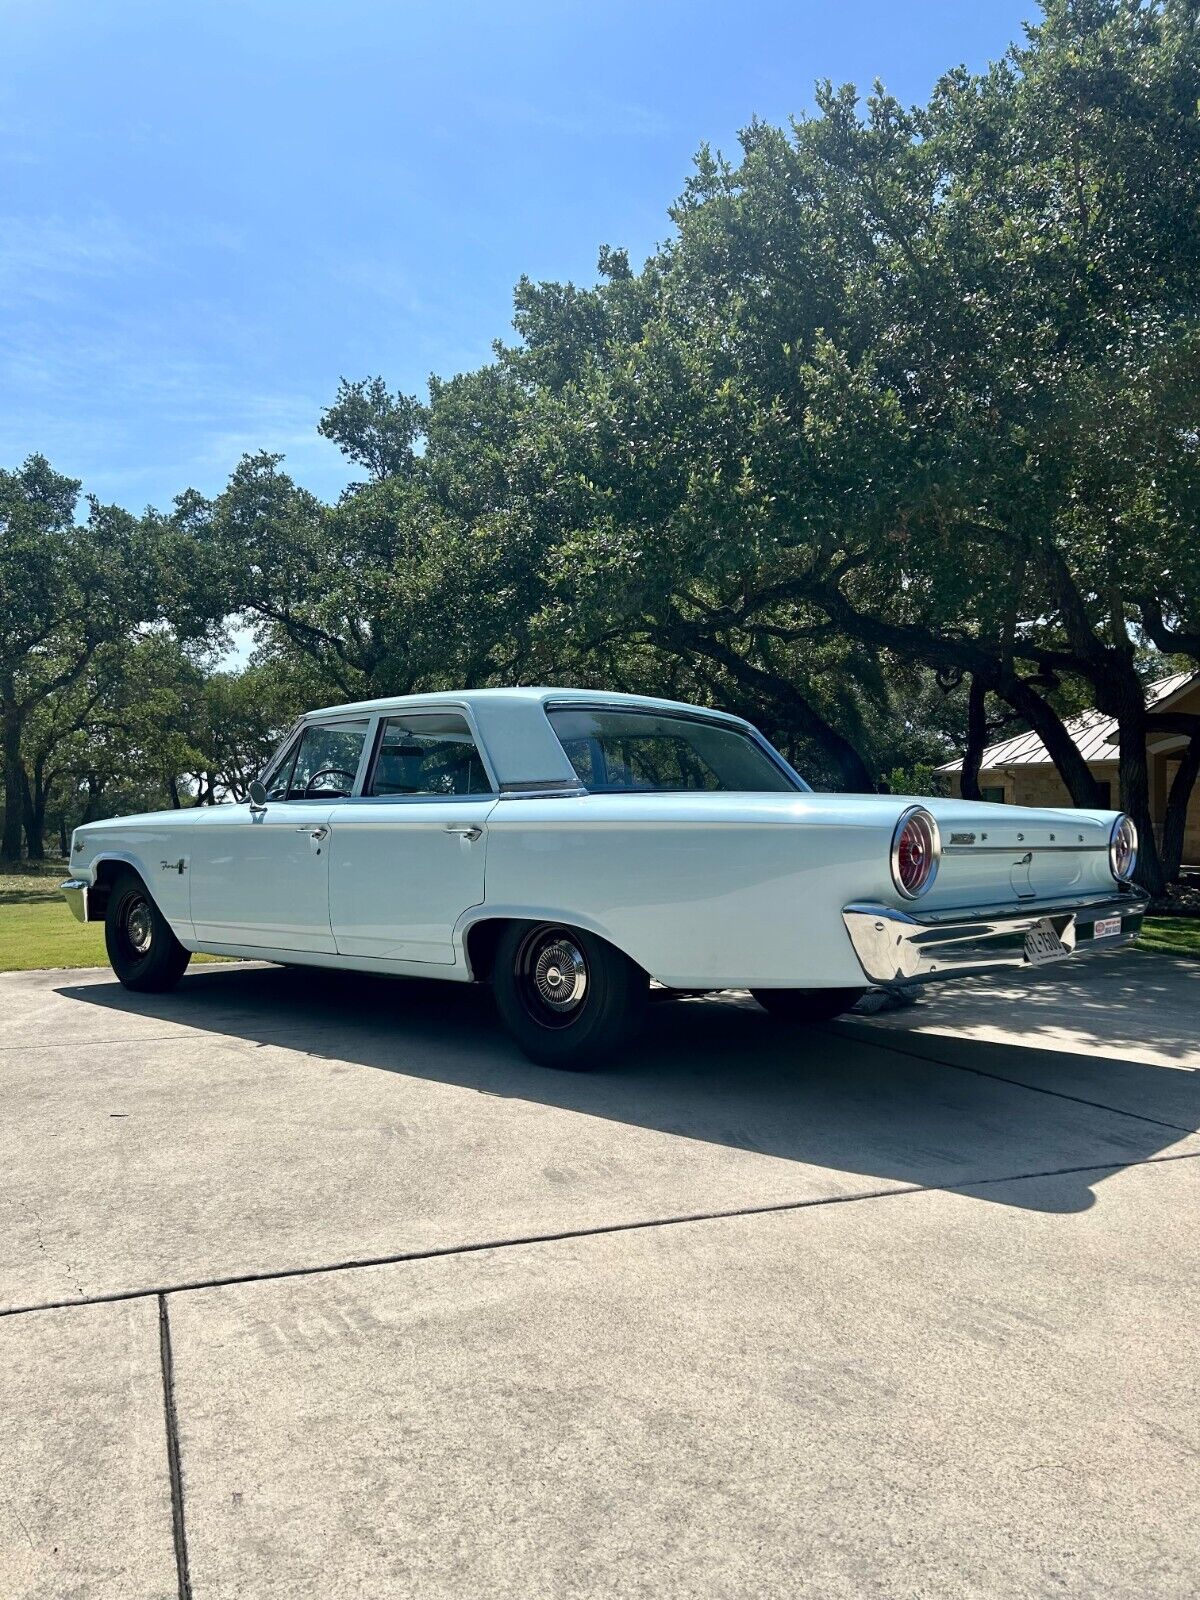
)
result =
(993, 793)
(1105, 789)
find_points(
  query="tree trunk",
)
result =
(14, 779)
(1134, 772)
(787, 706)
(1175, 825)
(35, 828)
(1052, 731)
(63, 845)
(173, 791)
(976, 739)
(33, 807)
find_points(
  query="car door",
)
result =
(407, 857)
(260, 878)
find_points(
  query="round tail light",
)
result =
(1122, 848)
(916, 851)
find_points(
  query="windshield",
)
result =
(614, 752)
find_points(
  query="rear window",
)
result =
(618, 752)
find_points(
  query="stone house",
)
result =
(1018, 771)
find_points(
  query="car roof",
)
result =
(523, 748)
(511, 699)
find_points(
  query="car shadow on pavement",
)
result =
(1118, 1001)
(891, 1104)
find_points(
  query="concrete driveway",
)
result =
(312, 1286)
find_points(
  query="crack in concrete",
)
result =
(67, 1269)
(643, 1224)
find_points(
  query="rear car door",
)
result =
(407, 857)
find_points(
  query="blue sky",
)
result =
(209, 212)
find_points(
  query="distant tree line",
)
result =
(892, 447)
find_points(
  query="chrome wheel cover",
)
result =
(560, 974)
(552, 977)
(139, 928)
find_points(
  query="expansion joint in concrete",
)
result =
(637, 1225)
(174, 1466)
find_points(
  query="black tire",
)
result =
(602, 994)
(806, 1005)
(142, 950)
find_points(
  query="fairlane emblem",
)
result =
(962, 838)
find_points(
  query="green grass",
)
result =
(1177, 936)
(36, 925)
(40, 934)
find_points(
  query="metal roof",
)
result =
(1094, 734)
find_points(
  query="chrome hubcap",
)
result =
(560, 975)
(139, 930)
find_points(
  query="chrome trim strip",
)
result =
(541, 791)
(900, 946)
(1010, 849)
(76, 892)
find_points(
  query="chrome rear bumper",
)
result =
(895, 946)
(75, 892)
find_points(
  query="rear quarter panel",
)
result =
(703, 892)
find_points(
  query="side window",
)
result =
(326, 762)
(427, 753)
(994, 795)
(280, 774)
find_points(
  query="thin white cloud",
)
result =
(40, 257)
(84, 401)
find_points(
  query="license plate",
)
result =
(1105, 927)
(1042, 944)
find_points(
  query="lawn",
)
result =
(1179, 936)
(37, 928)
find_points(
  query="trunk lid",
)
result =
(992, 854)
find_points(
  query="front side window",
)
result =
(322, 764)
(614, 752)
(428, 753)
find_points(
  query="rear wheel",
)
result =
(806, 1005)
(569, 999)
(143, 952)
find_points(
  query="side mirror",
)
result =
(258, 796)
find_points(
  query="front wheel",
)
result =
(567, 998)
(806, 1005)
(143, 952)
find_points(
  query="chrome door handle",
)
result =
(314, 833)
(465, 830)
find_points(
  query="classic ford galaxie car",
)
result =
(570, 847)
